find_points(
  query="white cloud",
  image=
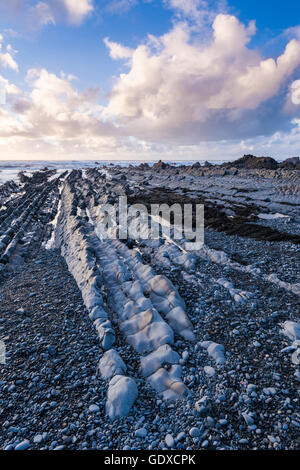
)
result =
(2, 91)
(245, 147)
(117, 51)
(295, 92)
(120, 6)
(78, 10)
(41, 14)
(181, 94)
(194, 9)
(200, 12)
(6, 58)
(182, 88)
(279, 145)
(11, 33)
(54, 120)
(36, 14)
(55, 116)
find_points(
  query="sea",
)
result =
(9, 169)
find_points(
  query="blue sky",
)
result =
(142, 79)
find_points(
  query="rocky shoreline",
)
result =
(208, 338)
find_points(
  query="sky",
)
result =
(149, 79)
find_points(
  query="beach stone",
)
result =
(194, 432)
(169, 440)
(23, 445)
(94, 408)
(142, 433)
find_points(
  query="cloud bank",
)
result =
(180, 95)
(38, 14)
(78, 10)
(55, 115)
(179, 89)
(7, 60)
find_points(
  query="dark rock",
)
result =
(196, 166)
(161, 165)
(291, 163)
(251, 162)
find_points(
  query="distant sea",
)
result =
(9, 169)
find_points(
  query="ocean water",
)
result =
(9, 169)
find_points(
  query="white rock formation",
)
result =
(111, 364)
(72, 238)
(215, 350)
(238, 295)
(138, 316)
(291, 330)
(76, 242)
(121, 395)
(137, 296)
(157, 359)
